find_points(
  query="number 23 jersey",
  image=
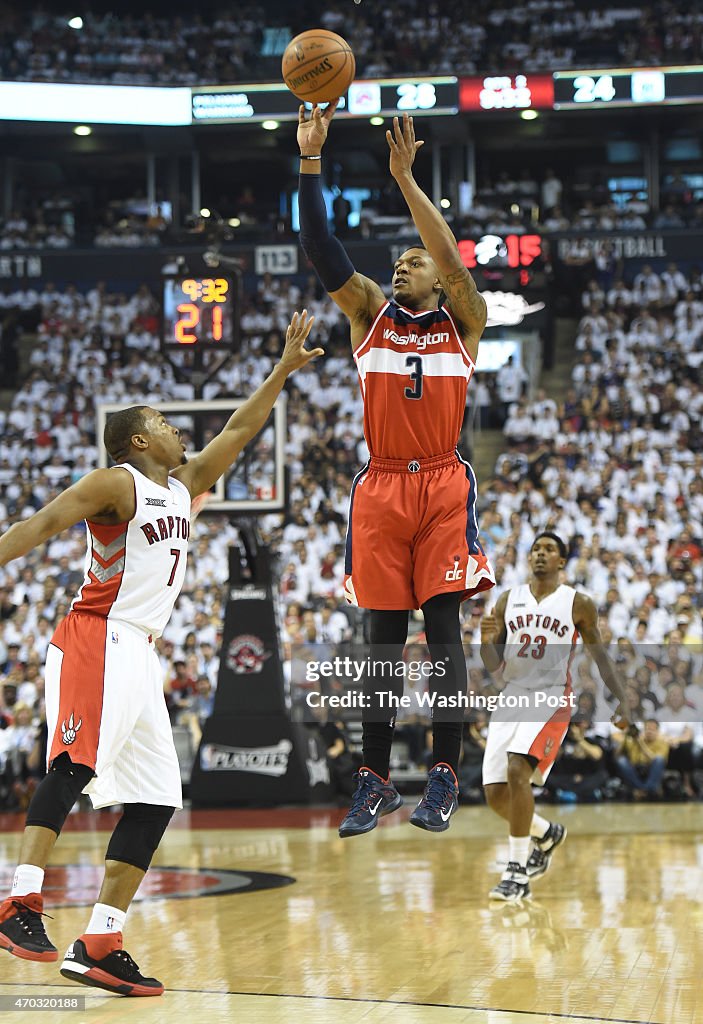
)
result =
(413, 371)
(540, 637)
(134, 571)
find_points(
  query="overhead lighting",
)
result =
(529, 115)
(82, 129)
(514, 209)
(234, 222)
(445, 203)
(270, 126)
(76, 22)
(205, 212)
(376, 121)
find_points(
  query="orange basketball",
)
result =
(318, 66)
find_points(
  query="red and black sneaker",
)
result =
(22, 929)
(100, 961)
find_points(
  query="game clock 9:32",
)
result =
(198, 311)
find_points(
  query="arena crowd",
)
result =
(219, 46)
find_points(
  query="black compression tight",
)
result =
(443, 630)
(388, 634)
(388, 631)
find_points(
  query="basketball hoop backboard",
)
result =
(255, 484)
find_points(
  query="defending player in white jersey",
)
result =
(109, 729)
(529, 641)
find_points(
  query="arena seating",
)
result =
(475, 36)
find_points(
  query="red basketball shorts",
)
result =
(105, 708)
(413, 534)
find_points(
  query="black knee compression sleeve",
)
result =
(138, 833)
(57, 793)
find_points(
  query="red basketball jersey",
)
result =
(413, 370)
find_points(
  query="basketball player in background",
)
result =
(529, 640)
(412, 540)
(109, 730)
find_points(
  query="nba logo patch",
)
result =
(115, 637)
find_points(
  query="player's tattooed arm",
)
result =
(467, 305)
(586, 622)
(494, 634)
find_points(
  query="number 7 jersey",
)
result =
(134, 571)
(413, 371)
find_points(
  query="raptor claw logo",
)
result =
(69, 733)
(246, 655)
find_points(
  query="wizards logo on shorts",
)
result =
(246, 655)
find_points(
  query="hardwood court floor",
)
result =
(395, 926)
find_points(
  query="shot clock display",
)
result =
(627, 87)
(198, 311)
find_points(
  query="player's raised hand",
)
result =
(295, 354)
(489, 629)
(403, 146)
(312, 131)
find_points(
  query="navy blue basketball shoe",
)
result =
(373, 798)
(439, 802)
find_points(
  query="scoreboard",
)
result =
(583, 89)
(627, 87)
(385, 96)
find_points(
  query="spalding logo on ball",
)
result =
(318, 66)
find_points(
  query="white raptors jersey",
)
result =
(134, 571)
(540, 638)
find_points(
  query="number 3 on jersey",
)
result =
(416, 377)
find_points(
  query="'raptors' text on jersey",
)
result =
(540, 638)
(134, 571)
(413, 370)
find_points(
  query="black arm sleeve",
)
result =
(325, 251)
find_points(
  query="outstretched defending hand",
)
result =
(295, 354)
(403, 146)
(312, 131)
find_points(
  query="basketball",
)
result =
(318, 66)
